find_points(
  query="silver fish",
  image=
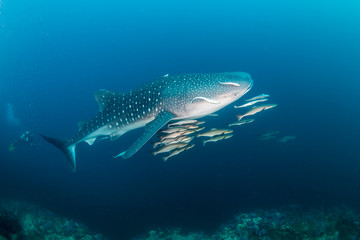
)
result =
(169, 141)
(168, 148)
(268, 135)
(251, 103)
(217, 138)
(199, 129)
(172, 130)
(258, 97)
(178, 151)
(177, 134)
(255, 110)
(183, 122)
(286, 138)
(187, 139)
(181, 139)
(192, 127)
(214, 132)
(241, 122)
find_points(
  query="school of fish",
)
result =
(178, 136)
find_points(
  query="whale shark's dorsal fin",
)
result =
(104, 98)
(81, 124)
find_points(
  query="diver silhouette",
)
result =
(27, 138)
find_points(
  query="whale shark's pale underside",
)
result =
(152, 105)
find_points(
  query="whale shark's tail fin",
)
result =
(65, 147)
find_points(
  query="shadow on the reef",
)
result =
(10, 228)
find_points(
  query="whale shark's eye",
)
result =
(230, 83)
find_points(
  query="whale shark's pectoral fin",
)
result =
(150, 129)
(205, 99)
(102, 98)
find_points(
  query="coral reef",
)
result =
(173, 234)
(23, 221)
(290, 223)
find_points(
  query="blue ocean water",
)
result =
(305, 54)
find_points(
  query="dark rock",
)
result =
(10, 226)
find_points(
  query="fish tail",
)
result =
(239, 117)
(204, 142)
(165, 159)
(65, 147)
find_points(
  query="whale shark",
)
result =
(154, 104)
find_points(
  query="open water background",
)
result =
(306, 54)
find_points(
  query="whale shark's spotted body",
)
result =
(153, 105)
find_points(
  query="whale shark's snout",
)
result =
(236, 84)
(244, 80)
(211, 92)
